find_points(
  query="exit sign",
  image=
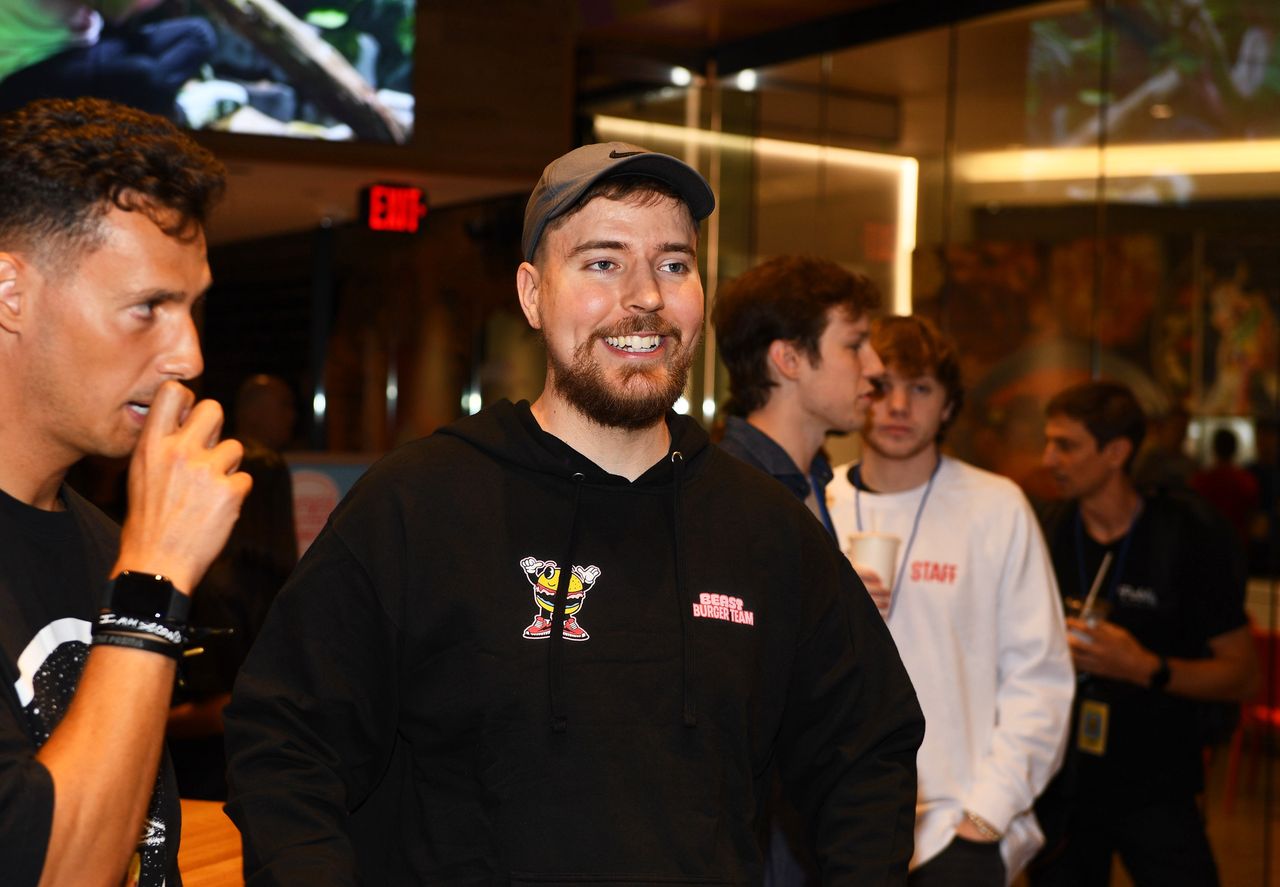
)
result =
(394, 208)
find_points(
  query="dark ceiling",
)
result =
(626, 45)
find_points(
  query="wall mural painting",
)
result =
(1023, 313)
(1240, 297)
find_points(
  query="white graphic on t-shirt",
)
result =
(1137, 596)
(49, 671)
(153, 833)
(56, 633)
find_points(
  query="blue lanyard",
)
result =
(1118, 569)
(821, 495)
(915, 524)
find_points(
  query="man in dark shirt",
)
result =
(1232, 490)
(102, 257)
(795, 335)
(1165, 634)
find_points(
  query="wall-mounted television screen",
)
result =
(332, 70)
(1175, 72)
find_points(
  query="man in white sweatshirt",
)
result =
(974, 609)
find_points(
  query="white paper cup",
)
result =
(876, 551)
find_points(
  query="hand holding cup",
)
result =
(875, 556)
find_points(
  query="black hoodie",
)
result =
(411, 715)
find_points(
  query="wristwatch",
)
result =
(146, 596)
(986, 829)
(1160, 677)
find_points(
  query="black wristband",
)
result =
(115, 623)
(137, 642)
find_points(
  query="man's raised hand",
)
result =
(185, 490)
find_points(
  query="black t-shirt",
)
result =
(54, 567)
(1175, 582)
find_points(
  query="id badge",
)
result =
(1092, 735)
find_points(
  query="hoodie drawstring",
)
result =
(555, 652)
(682, 604)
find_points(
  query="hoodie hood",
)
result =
(404, 679)
(509, 433)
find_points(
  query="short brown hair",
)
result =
(1107, 410)
(787, 298)
(913, 346)
(65, 163)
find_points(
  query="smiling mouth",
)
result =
(140, 408)
(634, 344)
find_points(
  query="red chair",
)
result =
(1259, 718)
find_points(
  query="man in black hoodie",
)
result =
(569, 641)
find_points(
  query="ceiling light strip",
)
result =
(1122, 161)
(907, 170)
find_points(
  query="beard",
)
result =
(642, 394)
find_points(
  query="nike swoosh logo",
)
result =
(614, 155)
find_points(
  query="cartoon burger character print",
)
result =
(544, 576)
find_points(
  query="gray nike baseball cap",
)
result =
(567, 178)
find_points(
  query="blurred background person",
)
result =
(235, 594)
(1163, 463)
(1165, 635)
(1228, 487)
(265, 411)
